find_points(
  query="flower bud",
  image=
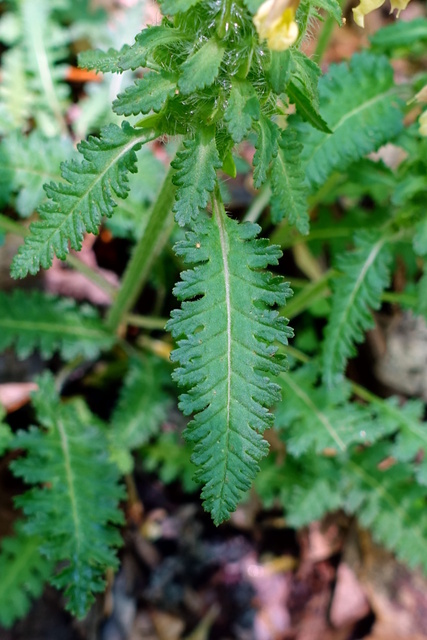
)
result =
(275, 22)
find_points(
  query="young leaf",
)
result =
(23, 574)
(266, 149)
(131, 57)
(32, 320)
(86, 195)
(243, 108)
(147, 94)
(358, 102)
(225, 340)
(365, 275)
(101, 61)
(288, 184)
(141, 409)
(74, 500)
(201, 68)
(305, 108)
(195, 177)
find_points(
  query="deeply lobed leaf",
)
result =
(226, 333)
(357, 291)
(87, 194)
(359, 103)
(23, 574)
(73, 503)
(33, 320)
(196, 166)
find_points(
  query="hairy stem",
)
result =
(149, 246)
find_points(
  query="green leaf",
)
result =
(195, 177)
(266, 149)
(388, 502)
(141, 409)
(311, 416)
(172, 7)
(150, 93)
(226, 333)
(253, 5)
(5, 432)
(101, 61)
(305, 108)
(146, 45)
(87, 194)
(359, 104)
(31, 320)
(365, 275)
(280, 70)
(332, 7)
(243, 108)
(288, 184)
(201, 68)
(400, 34)
(27, 162)
(73, 503)
(23, 575)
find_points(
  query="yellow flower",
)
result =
(275, 22)
(423, 123)
(366, 6)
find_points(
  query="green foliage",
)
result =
(140, 411)
(288, 184)
(78, 204)
(207, 80)
(365, 275)
(225, 340)
(359, 103)
(23, 574)
(26, 163)
(319, 419)
(73, 502)
(33, 320)
(196, 166)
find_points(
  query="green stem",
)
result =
(325, 35)
(11, 226)
(154, 238)
(145, 322)
(258, 204)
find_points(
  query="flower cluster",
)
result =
(366, 6)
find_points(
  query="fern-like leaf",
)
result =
(74, 500)
(225, 339)
(311, 416)
(33, 320)
(86, 195)
(288, 184)
(141, 409)
(23, 574)
(388, 502)
(359, 103)
(195, 177)
(365, 276)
